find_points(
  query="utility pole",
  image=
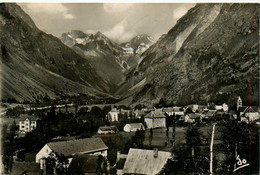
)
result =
(211, 150)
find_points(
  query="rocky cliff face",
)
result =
(136, 46)
(205, 57)
(34, 63)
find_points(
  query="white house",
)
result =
(107, 130)
(195, 107)
(155, 119)
(133, 127)
(191, 117)
(140, 161)
(113, 115)
(91, 146)
(27, 123)
(223, 107)
(248, 113)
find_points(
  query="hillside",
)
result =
(205, 57)
(35, 64)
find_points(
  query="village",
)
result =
(115, 139)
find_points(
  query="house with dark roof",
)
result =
(107, 130)
(155, 119)
(87, 164)
(27, 123)
(210, 113)
(140, 161)
(28, 168)
(169, 111)
(92, 146)
(133, 127)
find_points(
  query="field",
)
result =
(159, 136)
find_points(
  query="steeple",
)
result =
(239, 102)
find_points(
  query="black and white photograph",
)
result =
(129, 88)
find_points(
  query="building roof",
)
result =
(108, 128)
(141, 161)
(81, 164)
(30, 168)
(169, 109)
(242, 108)
(135, 125)
(211, 113)
(248, 109)
(155, 114)
(72, 147)
(194, 115)
(114, 110)
(30, 117)
(138, 112)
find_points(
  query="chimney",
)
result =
(155, 152)
(118, 155)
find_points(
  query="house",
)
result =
(248, 113)
(195, 107)
(155, 119)
(169, 111)
(210, 113)
(30, 168)
(27, 123)
(107, 130)
(87, 164)
(120, 162)
(113, 115)
(140, 161)
(223, 107)
(178, 111)
(191, 117)
(69, 148)
(133, 127)
(138, 113)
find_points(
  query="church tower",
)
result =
(239, 103)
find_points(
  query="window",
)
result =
(22, 126)
(22, 122)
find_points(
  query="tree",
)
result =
(138, 138)
(235, 141)
(56, 163)
(193, 140)
(7, 141)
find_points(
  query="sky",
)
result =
(118, 21)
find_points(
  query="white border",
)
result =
(133, 1)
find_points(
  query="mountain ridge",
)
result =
(25, 49)
(203, 58)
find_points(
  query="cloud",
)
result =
(119, 32)
(116, 8)
(49, 9)
(91, 31)
(180, 11)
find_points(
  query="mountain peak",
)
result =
(101, 35)
(15, 11)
